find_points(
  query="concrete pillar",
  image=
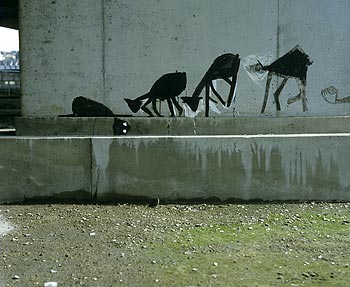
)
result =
(61, 45)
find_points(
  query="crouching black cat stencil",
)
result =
(84, 107)
(293, 64)
(167, 87)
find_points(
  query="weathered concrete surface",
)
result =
(107, 50)
(320, 27)
(273, 167)
(44, 168)
(144, 40)
(61, 54)
(183, 126)
(64, 126)
(173, 168)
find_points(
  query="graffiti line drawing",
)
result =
(84, 107)
(331, 91)
(252, 65)
(224, 67)
(167, 87)
(293, 64)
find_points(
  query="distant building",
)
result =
(9, 60)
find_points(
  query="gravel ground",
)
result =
(175, 245)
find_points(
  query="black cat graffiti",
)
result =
(293, 64)
(167, 87)
(84, 107)
(223, 67)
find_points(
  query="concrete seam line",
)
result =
(182, 136)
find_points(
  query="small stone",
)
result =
(215, 264)
(194, 269)
(16, 277)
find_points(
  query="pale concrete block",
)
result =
(44, 168)
(108, 50)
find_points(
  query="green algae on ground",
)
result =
(286, 248)
(177, 245)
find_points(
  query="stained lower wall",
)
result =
(44, 168)
(176, 168)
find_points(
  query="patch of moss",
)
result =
(283, 249)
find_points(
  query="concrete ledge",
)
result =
(175, 168)
(183, 126)
(64, 126)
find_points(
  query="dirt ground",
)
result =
(176, 245)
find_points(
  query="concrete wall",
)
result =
(173, 168)
(256, 167)
(41, 167)
(320, 27)
(108, 49)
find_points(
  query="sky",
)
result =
(8, 40)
